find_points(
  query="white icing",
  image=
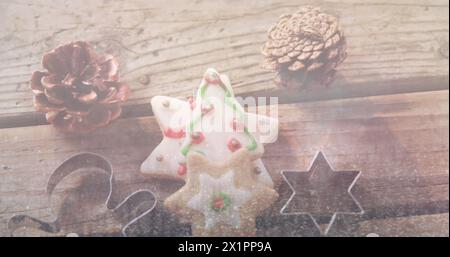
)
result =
(209, 187)
(176, 115)
(171, 157)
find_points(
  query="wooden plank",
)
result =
(393, 47)
(426, 225)
(399, 142)
(434, 225)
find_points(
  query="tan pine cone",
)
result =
(80, 89)
(305, 46)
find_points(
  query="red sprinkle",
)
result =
(174, 133)
(233, 144)
(197, 137)
(182, 169)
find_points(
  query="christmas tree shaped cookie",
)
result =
(221, 199)
(213, 124)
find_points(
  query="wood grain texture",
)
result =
(426, 225)
(399, 142)
(393, 47)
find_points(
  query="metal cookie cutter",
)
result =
(321, 193)
(130, 210)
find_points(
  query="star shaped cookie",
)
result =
(214, 124)
(221, 199)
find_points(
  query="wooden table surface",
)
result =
(387, 113)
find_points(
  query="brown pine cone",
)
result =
(80, 89)
(305, 46)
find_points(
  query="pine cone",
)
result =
(80, 89)
(305, 46)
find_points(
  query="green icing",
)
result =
(231, 102)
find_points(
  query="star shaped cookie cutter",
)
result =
(321, 191)
(139, 203)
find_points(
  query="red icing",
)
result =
(191, 102)
(236, 125)
(212, 79)
(197, 137)
(218, 203)
(182, 169)
(234, 144)
(171, 133)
